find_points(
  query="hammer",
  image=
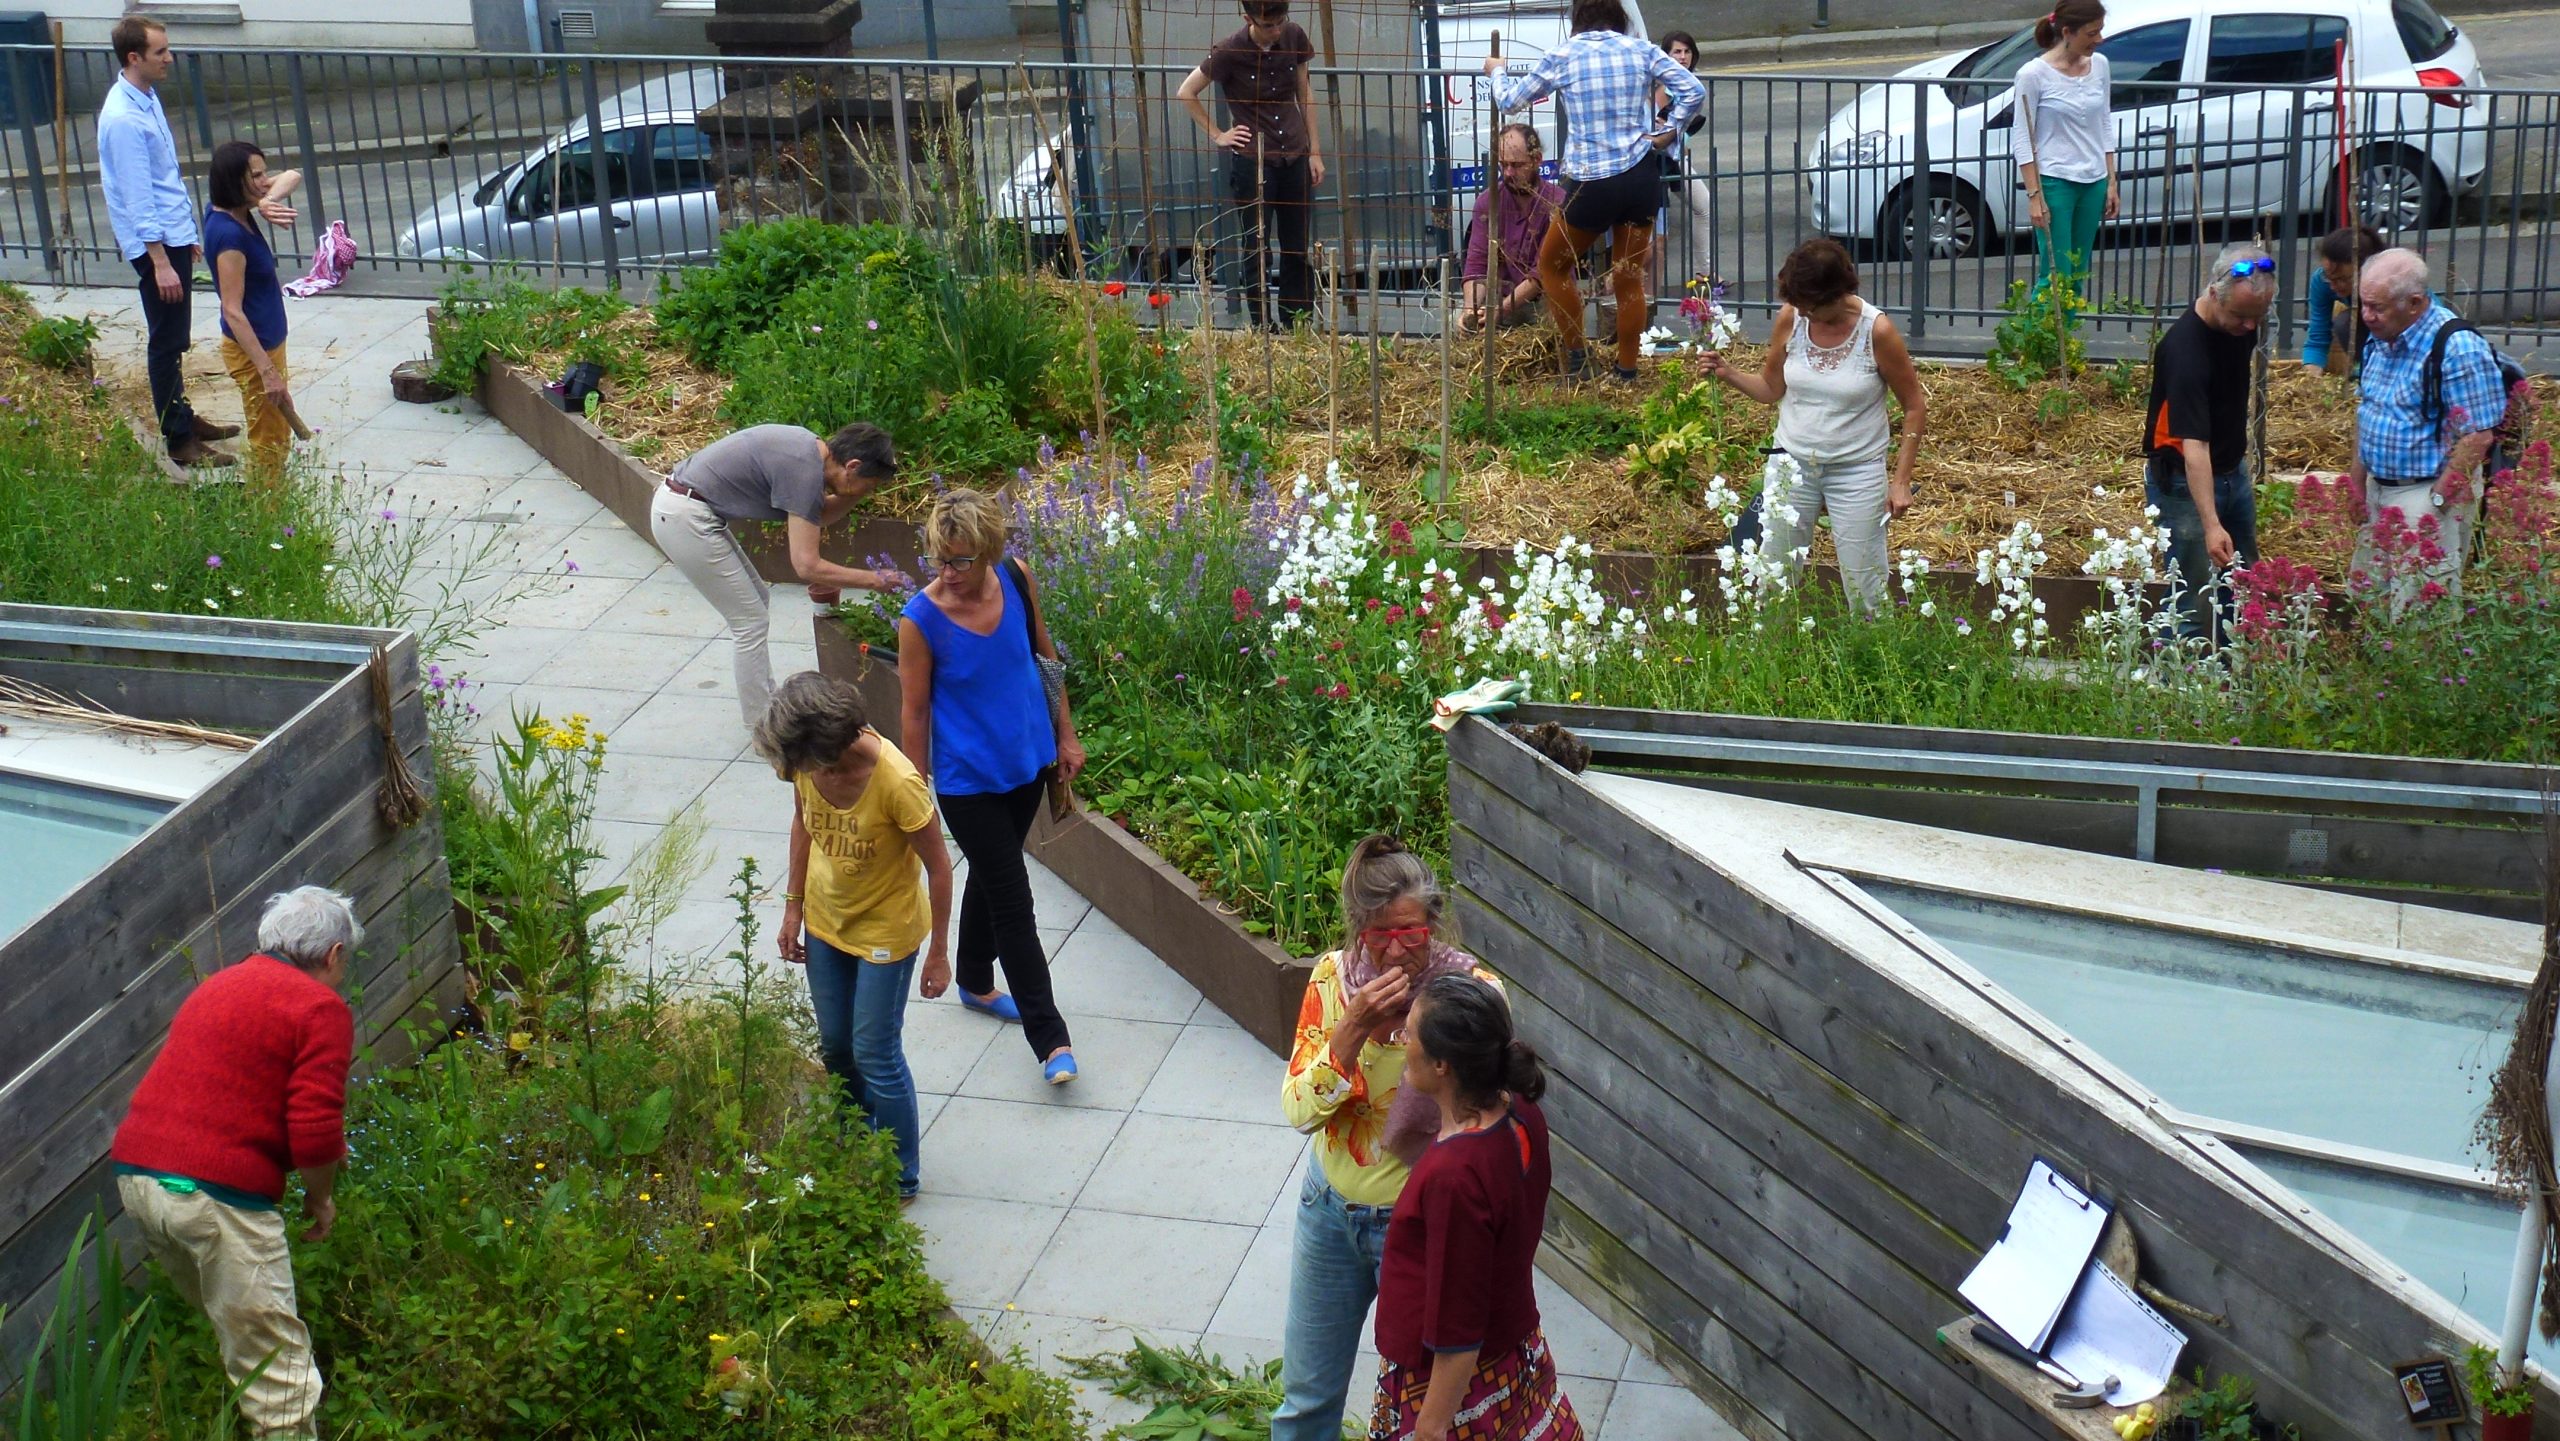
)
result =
(2084, 1396)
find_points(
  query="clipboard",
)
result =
(2027, 1276)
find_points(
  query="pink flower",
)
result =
(213, 562)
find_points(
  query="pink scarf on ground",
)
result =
(329, 263)
(1413, 1119)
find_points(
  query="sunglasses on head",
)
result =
(2256, 265)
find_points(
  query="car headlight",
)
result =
(1868, 148)
(406, 247)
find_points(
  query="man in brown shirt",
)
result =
(1261, 70)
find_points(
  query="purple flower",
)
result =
(288, 532)
(1179, 677)
(213, 562)
(871, 325)
(570, 566)
(389, 514)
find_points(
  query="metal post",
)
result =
(1377, 381)
(898, 137)
(533, 26)
(1079, 134)
(1146, 145)
(1440, 503)
(1333, 105)
(1496, 288)
(304, 151)
(24, 77)
(1919, 210)
(203, 107)
(933, 40)
(2285, 229)
(1435, 89)
(1821, 13)
(596, 177)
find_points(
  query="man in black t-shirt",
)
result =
(1262, 71)
(2196, 433)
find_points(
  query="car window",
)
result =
(2423, 33)
(2273, 49)
(679, 159)
(1999, 61)
(2145, 63)
(565, 179)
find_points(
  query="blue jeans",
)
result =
(1333, 1278)
(2235, 504)
(862, 1019)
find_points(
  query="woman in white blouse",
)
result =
(2064, 140)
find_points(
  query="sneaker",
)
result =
(194, 454)
(1625, 374)
(1577, 365)
(214, 429)
(1059, 1069)
(1002, 1007)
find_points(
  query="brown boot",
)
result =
(194, 454)
(214, 429)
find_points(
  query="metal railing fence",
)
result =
(431, 158)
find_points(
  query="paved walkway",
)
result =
(1153, 1197)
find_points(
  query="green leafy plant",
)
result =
(762, 266)
(1687, 435)
(477, 318)
(2128, 381)
(77, 1381)
(2224, 1409)
(1542, 434)
(61, 341)
(2035, 340)
(2491, 1390)
(1193, 1394)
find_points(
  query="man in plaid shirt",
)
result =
(1606, 77)
(2418, 467)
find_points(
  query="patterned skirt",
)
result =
(1513, 1396)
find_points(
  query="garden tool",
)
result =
(2084, 1396)
(1487, 697)
(2118, 1252)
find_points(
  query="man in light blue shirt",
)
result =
(155, 225)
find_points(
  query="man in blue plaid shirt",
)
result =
(2418, 466)
(1612, 142)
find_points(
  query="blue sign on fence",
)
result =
(1471, 177)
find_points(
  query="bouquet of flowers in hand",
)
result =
(1711, 326)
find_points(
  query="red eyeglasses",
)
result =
(1389, 937)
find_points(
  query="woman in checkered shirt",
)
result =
(1612, 150)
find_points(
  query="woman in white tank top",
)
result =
(1832, 360)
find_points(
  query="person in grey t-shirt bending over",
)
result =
(767, 472)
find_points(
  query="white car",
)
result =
(2221, 107)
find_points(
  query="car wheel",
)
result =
(1949, 224)
(2396, 190)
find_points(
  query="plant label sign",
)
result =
(2432, 1392)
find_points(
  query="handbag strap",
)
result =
(1030, 606)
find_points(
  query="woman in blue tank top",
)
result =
(974, 718)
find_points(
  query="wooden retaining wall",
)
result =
(87, 990)
(1780, 1158)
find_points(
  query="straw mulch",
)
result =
(2062, 458)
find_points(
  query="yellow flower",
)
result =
(618, 1331)
(1577, 695)
(707, 1225)
(716, 1336)
(511, 1220)
(644, 1195)
(538, 1165)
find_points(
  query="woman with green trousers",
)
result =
(2064, 142)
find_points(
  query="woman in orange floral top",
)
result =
(1343, 1090)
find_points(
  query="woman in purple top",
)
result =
(244, 273)
(975, 719)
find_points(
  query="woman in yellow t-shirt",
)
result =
(855, 901)
(1345, 1090)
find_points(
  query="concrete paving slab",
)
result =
(1146, 1272)
(1192, 1169)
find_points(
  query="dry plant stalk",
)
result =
(2515, 1127)
(35, 702)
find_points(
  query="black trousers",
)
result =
(168, 323)
(996, 919)
(1276, 204)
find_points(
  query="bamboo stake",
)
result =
(1493, 278)
(1075, 250)
(1267, 290)
(1377, 375)
(36, 702)
(1333, 103)
(1333, 355)
(1440, 503)
(1135, 12)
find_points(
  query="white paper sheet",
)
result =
(2028, 1274)
(2109, 1330)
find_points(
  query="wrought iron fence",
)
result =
(433, 160)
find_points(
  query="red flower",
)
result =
(1374, 602)
(1399, 532)
(1158, 299)
(1394, 615)
(1244, 604)
(1114, 289)
(1284, 680)
(1296, 601)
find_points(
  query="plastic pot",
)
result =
(2507, 1428)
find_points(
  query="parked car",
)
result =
(657, 197)
(2223, 108)
(1400, 165)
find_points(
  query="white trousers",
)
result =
(234, 1264)
(1855, 496)
(698, 543)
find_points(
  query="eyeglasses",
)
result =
(960, 563)
(2255, 265)
(1390, 937)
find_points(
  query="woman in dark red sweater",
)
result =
(1457, 1305)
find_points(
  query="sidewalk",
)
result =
(1153, 1197)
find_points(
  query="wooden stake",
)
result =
(1440, 505)
(1135, 11)
(1333, 104)
(1333, 356)
(1377, 375)
(1493, 281)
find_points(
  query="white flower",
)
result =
(805, 1182)
(211, 604)
(1964, 627)
(1928, 607)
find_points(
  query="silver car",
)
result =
(658, 199)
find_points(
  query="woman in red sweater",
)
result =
(1457, 1304)
(251, 1083)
